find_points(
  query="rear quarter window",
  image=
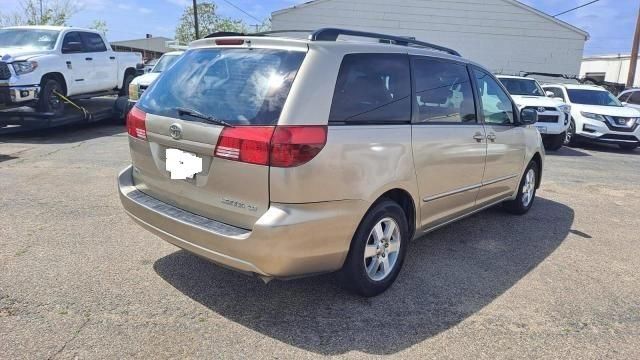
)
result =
(239, 86)
(372, 88)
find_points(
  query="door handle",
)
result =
(492, 137)
(478, 137)
(112, 57)
(88, 59)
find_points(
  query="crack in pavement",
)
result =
(75, 335)
(22, 160)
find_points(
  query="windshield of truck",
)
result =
(522, 87)
(593, 97)
(164, 63)
(238, 86)
(28, 39)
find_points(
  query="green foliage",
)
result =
(208, 21)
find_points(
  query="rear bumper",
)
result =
(289, 240)
(17, 95)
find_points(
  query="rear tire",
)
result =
(48, 101)
(526, 191)
(377, 250)
(555, 142)
(628, 147)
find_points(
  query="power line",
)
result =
(242, 11)
(576, 8)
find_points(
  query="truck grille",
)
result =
(548, 118)
(5, 74)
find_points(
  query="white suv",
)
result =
(553, 115)
(597, 115)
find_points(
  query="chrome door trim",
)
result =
(452, 192)
(493, 181)
(430, 229)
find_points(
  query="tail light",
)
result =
(278, 146)
(136, 123)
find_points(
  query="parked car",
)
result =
(630, 98)
(38, 61)
(553, 115)
(597, 115)
(142, 82)
(284, 158)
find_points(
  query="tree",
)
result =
(208, 21)
(51, 12)
(100, 26)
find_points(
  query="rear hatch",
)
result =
(208, 122)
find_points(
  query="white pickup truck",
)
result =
(36, 62)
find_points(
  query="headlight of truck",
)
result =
(24, 67)
(593, 116)
(133, 91)
(565, 109)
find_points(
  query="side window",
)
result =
(557, 92)
(496, 104)
(72, 43)
(635, 98)
(443, 92)
(93, 42)
(372, 88)
(624, 97)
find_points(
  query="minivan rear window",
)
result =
(238, 86)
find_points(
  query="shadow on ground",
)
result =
(608, 148)
(67, 133)
(567, 151)
(449, 275)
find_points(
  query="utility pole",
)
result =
(634, 54)
(195, 18)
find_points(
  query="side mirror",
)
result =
(549, 94)
(139, 66)
(624, 103)
(528, 116)
(72, 47)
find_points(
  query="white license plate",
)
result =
(542, 129)
(182, 165)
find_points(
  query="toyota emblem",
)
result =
(175, 130)
(541, 109)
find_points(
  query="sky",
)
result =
(610, 23)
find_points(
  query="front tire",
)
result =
(628, 147)
(48, 101)
(526, 191)
(570, 134)
(377, 250)
(555, 142)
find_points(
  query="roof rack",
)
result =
(331, 34)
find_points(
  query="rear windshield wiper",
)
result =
(196, 114)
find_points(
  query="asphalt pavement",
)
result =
(78, 279)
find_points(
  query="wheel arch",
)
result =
(538, 159)
(58, 77)
(128, 71)
(403, 198)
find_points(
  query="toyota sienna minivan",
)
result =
(283, 158)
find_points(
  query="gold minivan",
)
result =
(283, 157)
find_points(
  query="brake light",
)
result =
(136, 123)
(295, 145)
(279, 146)
(249, 144)
(229, 42)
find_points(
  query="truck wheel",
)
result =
(377, 250)
(554, 142)
(570, 134)
(628, 147)
(125, 85)
(48, 101)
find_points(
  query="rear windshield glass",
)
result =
(522, 87)
(239, 86)
(593, 97)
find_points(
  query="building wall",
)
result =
(499, 34)
(616, 69)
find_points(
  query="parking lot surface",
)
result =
(78, 279)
